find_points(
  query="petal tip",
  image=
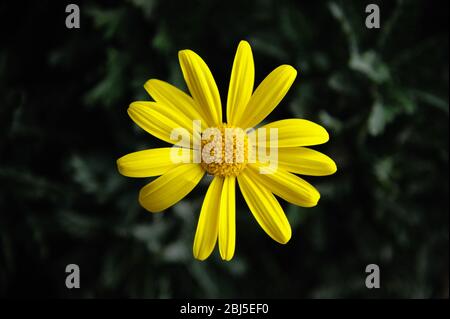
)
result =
(315, 197)
(333, 167)
(289, 69)
(326, 135)
(149, 83)
(120, 165)
(134, 105)
(132, 110)
(146, 205)
(285, 237)
(244, 43)
(312, 199)
(323, 134)
(184, 53)
(226, 254)
(200, 257)
(200, 253)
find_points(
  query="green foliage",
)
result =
(382, 95)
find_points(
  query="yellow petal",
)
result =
(265, 208)
(170, 188)
(202, 86)
(208, 222)
(297, 132)
(267, 96)
(167, 94)
(305, 161)
(160, 120)
(227, 218)
(241, 83)
(288, 186)
(146, 163)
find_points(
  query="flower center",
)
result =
(224, 150)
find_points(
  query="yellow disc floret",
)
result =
(224, 150)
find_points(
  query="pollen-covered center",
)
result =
(224, 150)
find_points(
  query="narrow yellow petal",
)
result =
(167, 94)
(208, 222)
(265, 208)
(170, 188)
(202, 86)
(267, 96)
(160, 120)
(227, 219)
(305, 161)
(146, 163)
(288, 186)
(297, 132)
(241, 83)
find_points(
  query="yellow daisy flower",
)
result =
(172, 108)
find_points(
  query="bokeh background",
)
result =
(381, 93)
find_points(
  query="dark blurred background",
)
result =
(381, 93)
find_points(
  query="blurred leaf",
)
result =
(370, 64)
(108, 91)
(377, 119)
